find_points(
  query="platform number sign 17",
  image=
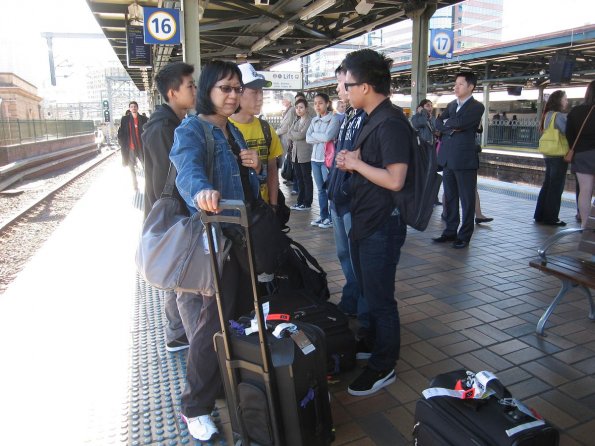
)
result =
(162, 26)
(441, 43)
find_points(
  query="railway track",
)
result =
(30, 222)
(18, 215)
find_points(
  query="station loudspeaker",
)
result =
(561, 67)
(106, 116)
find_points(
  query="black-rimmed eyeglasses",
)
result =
(228, 89)
(348, 85)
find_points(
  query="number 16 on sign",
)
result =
(441, 43)
(161, 26)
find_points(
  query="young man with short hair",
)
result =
(252, 130)
(379, 167)
(131, 146)
(352, 300)
(177, 88)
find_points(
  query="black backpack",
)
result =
(416, 200)
(301, 271)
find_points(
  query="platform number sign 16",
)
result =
(162, 26)
(441, 43)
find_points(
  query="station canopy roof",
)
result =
(519, 63)
(254, 31)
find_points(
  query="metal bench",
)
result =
(571, 270)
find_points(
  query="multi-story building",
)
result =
(474, 23)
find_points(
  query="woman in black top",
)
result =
(583, 163)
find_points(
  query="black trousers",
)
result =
(203, 379)
(459, 185)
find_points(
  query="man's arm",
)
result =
(440, 120)
(468, 120)
(159, 153)
(391, 177)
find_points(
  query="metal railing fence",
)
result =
(521, 133)
(21, 131)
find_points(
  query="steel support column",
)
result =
(419, 54)
(191, 37)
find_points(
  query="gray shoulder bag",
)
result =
(173, 252)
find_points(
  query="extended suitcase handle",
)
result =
(228, 205)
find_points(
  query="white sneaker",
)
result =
(202, 427)
(326, 223)
(316, 222)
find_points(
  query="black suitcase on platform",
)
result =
(300, 306)
(497, 420)
(277, 395)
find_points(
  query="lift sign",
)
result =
(441, 43)
(162, 26)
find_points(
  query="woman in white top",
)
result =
(323, 128)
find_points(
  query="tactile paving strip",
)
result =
(152, 413)
(518, 193)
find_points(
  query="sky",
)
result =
(23, 51)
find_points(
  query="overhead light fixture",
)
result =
(280, 30)
(260, 44)
(316, 8)
(135, 14)
(504, 59)
(364, 7)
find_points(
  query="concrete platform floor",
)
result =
(84, 360)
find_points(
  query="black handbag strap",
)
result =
(170, 183)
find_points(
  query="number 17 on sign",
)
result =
(441, 43)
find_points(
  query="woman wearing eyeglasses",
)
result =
(233, 177)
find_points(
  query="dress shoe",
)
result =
(554, 223)
(460, 244)
(444, 238)
(483, 220)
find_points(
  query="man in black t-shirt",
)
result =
(379, 166)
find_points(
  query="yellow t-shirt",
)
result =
(254, 138)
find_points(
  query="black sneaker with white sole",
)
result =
(177, 344)
(371, 381)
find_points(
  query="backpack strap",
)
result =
(307, 255)
(266, 131)
(170, 183)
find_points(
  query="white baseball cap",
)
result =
(251, 78)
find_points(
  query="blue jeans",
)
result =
(375, 260)
(320, 173)
(550, 195)
(352, 300)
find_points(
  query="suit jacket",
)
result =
(458, 149)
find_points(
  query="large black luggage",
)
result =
(276, 387)
(300, 305)
(455, 411)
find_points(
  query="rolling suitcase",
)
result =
(463, 408)
(275, 385)
(299, 305)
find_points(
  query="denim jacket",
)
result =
(189, 156)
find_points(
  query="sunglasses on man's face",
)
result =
(348, 85)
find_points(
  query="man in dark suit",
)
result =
(458, 157)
